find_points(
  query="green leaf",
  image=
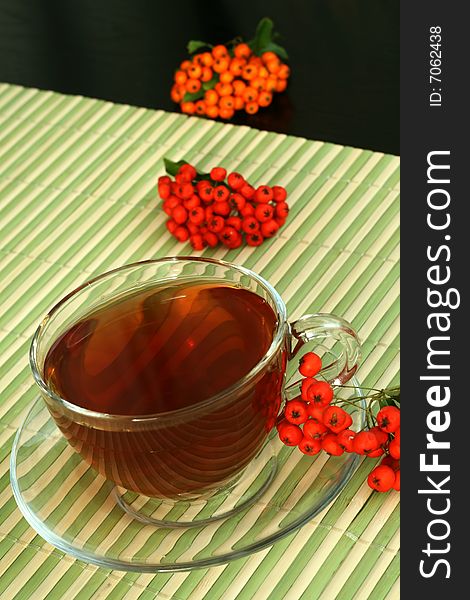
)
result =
(208, 85)
(264, 32)
(264, 40)
(273, 47)
(389, 401)
(383, 402)
(393, 394)
(188, 97)
(172, 167)
(195, 45)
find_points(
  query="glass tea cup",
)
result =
(202, 451)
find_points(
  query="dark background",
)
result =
(344, 56)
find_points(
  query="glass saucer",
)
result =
(75, 509)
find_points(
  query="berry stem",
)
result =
(381, 397)
(370, 418)
(391, 392)
(355, 399)
(348, 401)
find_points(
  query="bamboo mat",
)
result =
(77, 198)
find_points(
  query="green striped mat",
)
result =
(77, 197)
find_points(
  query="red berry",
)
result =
(346, 439)
(180, 214)
(167, 208)
(197, 215)
(174, 200)
(229, 236)
(282, 210)
(296, 412)
(281, 421)
(394, 449)
(164, 190)
(309, 364)
(376, 453)
(181, 234)
(237, 201)
(310, 447)
(197, 241)
(215, 224)
(247, 211)
(236, 181)
(164, 179)
(221, 208)
(185, 191)
(381, 478)
(254, 239)
(247, 191)
(218, 173)
(264, 212)
(192, 228)
(234, 222)
(390, 462)
(189, 170)
(331, 446)
(279, 193)
(250, 225)
(269, 228)
(304, 387)
(171, 225)
(170, 204)
(182, 178)
(235, 242)
(336, 418)
(211, 239)
(221, 194)
(313, 430)
(316, 413)
(388, 418)
(192, 202)
(381, 436)
(263, 194)
(280, 221)
(365, 442)
(320, 393)
(206, 191)
(290, 434)
(396, 483)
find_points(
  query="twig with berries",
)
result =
(212, 208)
(316, 421)
(217, 81)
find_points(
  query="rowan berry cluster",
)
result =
(233, 77)
(213, 208)
(314, 422)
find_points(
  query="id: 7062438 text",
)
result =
(435, 62)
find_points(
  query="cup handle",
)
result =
(333, 338)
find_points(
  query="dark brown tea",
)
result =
(157, 351)
(162, 349)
